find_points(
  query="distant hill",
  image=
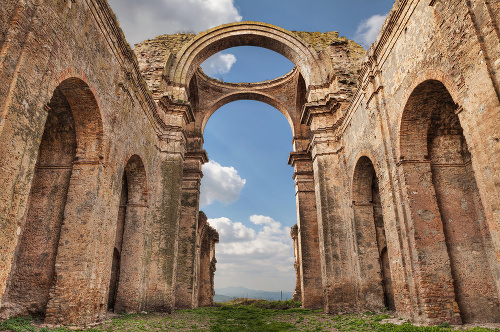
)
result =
(229, 293)
(222, 298)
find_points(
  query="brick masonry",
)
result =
(395, 155)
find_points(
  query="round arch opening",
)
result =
(437, 166)
(257, 34)
(263, 208)
(247, 96)
(255, 64)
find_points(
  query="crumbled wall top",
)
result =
(171, 43)
(153, 54)
(318, 40)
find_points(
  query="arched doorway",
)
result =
(71, 134)
(256, 221)
(450, 233)
(126, 285)
(374, 269)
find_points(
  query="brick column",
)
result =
(186, 287)
(163, 250)
(432, 263)
(311, 286)
(78, 295)
(209, 237)
(323, 117)
(297, 293)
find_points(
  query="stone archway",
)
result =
(126, 286)
(444, 204)
(188, 98)
(258, 34)
(71, 143)
(374, 275)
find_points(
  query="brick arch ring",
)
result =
(274, 38)
(430, 74)
(247, 95)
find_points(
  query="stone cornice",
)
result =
(326, 106)
(298, 156)
(294, 231)
(200, 156)
(177, 106)
(113, 34)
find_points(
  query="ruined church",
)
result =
(396, 157)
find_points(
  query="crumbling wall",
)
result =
(396, 166)
(435, 55)
(208, 238)
(59, 63)
(297, 293)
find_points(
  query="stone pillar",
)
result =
(206, 292)
(297, 293)
(163, 249)
(186, 286)
(432, 263)
(129, 297)
(214, 238)
(17, 168)
(78, 294)
(338, 284)
(322, 116)
(311, 286)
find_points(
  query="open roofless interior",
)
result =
(394, 155)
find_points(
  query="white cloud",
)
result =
(219, 63)
(232, 231)
(220, 183)
(369, 29)
(141, 20)
(260, 260)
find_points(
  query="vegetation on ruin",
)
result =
(244, 315)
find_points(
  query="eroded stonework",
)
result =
(395, 155)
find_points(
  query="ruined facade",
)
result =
(395, 154)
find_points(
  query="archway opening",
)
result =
(218, 39)
(374, 269)
(126, 285)
(248, 144)
(72, 132)
(246, 64)
(32, 272)
(432, 137)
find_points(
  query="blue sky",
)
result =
(248, 192)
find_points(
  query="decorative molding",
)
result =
(298, 156)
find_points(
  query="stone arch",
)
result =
(428, 76)
(72, 134)
(375, 281)
(247, 95)
(447, 214)
(88, 121)
(126, 286)
(236, 34)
